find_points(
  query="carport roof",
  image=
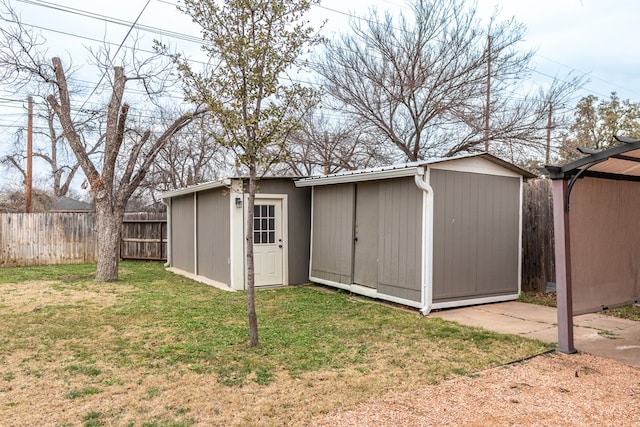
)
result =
(619, 163)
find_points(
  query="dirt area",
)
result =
(555, 390)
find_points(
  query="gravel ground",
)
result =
(552, 390)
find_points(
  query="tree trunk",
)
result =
(251, 305)
(108, 223)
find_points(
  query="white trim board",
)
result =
(196, 188)
(478, 165)
(367, 292)
(201, 279)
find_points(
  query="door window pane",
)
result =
(264, 224)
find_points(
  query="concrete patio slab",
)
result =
(594, 333)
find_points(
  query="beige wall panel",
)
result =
(605, 243)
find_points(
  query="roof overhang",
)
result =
(194, 188)
(217, 184)
(617, 163)
(402, 170)
(395, 171)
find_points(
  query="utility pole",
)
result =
(549, 121)
(29, 176)
(486, 110)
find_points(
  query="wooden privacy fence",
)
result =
(70, 238)
(144, 236)
(47, 238)
(538, 263)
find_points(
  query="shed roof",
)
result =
(401, 170)
(619, 163)
(214, 184)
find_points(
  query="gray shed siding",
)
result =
(365, 246)
(400, 239)
(370, 234)
(214, 235)
(299, 228)
(182, 233)
(476, 235)
(332, 241)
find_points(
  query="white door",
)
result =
(267, 242)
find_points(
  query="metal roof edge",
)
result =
(508, 165)
(396, 171)
(402, 170)
(198, 187)
(569, 169)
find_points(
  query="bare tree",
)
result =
(190, 158)
(421, 80)
(127, 153)
(325, 144)
(52, 148)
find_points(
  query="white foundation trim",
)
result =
(201, 279)
(474, 301)
(368, 292)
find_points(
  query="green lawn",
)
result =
(88, 336)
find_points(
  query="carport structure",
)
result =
(596, 206)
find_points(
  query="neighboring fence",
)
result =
(70, 238)
(47, 238)
(144, 236)
(538, 263)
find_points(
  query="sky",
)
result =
(596, 38)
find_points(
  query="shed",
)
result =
(206, 232)
(597, 239)
(432, 234)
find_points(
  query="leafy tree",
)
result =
(252, 43)
(596, 122)
(421, 80)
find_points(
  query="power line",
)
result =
(116, 54)
(198, 40)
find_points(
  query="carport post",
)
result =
(563, 265)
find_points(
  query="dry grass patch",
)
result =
(158, 349)
(34, 295)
